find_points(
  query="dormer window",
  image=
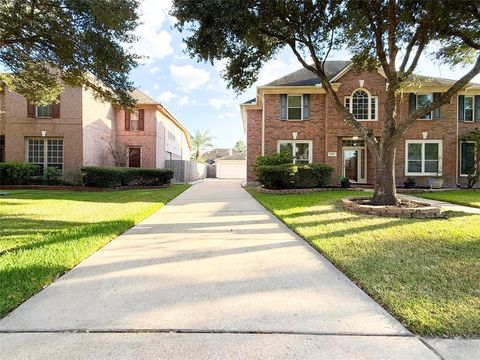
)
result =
(362, 105)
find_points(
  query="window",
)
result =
(424, 100)
(171, 135)
(294, 107)
(301, 150)
(362, 105)
(45, 153)
(467, 158)
(134, 120)
(2, 148)
(423, 157)
(44, 110)
(468, 109)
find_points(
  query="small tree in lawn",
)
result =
(473, 172)
(46, 44)
(387, 34)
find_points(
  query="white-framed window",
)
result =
(171, 135)
(134, 121)
(362, 105)
(294, 107)
(424, 100)
(468, 104)
(468, 157)
(45, 153)
(44, 111)
(301, 150)
(423, 157)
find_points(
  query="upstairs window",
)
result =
(294, 107)
(422, 101)
(134, 120)
(44, 110)
(362, 105)
(468, 109)
(171, 135)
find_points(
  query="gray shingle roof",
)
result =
(143, 98)
(237, 156)
(304, 77)
(432, 81)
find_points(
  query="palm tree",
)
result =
(201, 141)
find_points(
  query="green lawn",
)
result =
(43, 234)
(462, 197)
(425, 272)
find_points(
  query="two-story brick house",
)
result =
(294, 113)
(80, 129)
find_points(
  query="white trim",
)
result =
(357, 148)
(310, 147)
(301, 107)
(45, 151)
(423, 142)
(460, 157)
(41, 116)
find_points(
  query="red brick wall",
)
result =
(326, 128)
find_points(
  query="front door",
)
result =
(134, 157)
(355, 164)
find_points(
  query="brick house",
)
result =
(80, 129)
(294, 113)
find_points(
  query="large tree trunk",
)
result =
(385, 192)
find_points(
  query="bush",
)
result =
(17, 173)
(52, 176)
(293, 176)
(410, 183)
(345, 182)
(117, 176)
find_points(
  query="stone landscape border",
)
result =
(424, 212)
(300, 191)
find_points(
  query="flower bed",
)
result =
(407, 208)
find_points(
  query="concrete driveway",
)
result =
(212, 275)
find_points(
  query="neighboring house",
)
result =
(217, 153)
(80, 129)
(232, 166)
(294, 114)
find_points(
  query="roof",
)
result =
(143, 98)
(217, 153)
(304, 77)
(433, 81)
(237, 156)
(251, 101)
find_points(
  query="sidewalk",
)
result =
(212, 275)
(444, 205)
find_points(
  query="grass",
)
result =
(43, 234)
(425, 272)
(461, 197)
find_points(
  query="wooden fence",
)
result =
(185, 171)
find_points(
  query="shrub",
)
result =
(12, 173)
(345, 182)
(52, 176)
(282, 158)
(409, 183)
(117, 176)
(290, 176)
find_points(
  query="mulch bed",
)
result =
(76, 188)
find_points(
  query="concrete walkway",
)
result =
(212, 275)
(443, 204)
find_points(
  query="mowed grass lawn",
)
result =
(425, 272)
(461, 197)
(45, 233)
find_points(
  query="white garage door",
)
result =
(232, 169)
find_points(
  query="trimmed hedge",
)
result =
(117, 176)
(294, 176)
(12, 173)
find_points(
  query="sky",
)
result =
(195, 93)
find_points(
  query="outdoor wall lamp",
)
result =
(44, 133)
(294, 135)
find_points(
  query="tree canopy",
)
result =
(45, 44)
(201, 141)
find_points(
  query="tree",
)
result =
(473, 152)
(200, 141)
(388, 34)
(47, 44)
(239, 146)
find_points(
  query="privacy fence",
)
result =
(186, 171)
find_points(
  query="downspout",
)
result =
(456, 151)
(263, 123)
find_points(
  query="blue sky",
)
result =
(195, 92)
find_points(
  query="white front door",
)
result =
(355, 164)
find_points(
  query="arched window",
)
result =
(362, 105)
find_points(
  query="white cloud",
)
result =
(183, 100)
(229, 115)
(166, 96)
(156, 87)
(218, 103)
(153, 42)
(189, 77)
(154, 69)
(275, 69)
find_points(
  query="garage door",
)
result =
(232, 169)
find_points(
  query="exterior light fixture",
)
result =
(424, 135)
(44, 133)
(294, 135)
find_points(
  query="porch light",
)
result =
(294, 135)
(355, 138)
(44, 133)
(424, 135)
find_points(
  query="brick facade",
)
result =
(87, 126)
(326, 129)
